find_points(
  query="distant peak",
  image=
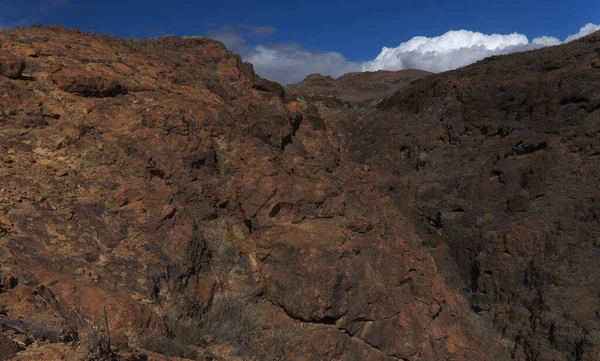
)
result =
(318, 76)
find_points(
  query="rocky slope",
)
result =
(500, 162)
(161, 191)
(160, 201)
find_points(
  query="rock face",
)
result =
(166, 182)
(502, 169)
(162, 190)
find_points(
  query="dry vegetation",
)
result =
(231, 320)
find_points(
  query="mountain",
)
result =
(161, 201)
(356, 88)
(499, 164)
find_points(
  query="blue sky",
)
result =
(356, 30)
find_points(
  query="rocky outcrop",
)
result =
(161, 190)
(163, 181)
(88, 83)
(11, 66)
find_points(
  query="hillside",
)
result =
(161, 194)
(356, 88)
(499, 163)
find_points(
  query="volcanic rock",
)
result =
(11, 66)
(162, 191)
(515, 154)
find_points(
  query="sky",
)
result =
(288, 40)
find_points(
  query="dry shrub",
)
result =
(231, 320)
(235, 321)
(95, 338)
(52, 331)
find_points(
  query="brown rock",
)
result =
(269, 87)
(200, 183)
(61, 173)
(5, 221)
(360, 225)
(8, 348)
(89, 83)
(11, 65)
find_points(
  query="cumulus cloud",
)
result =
(586, 30)
(285, 63)
(448, 51)
(546, 41)
(452, 50)
(459, 48)
(290, 63)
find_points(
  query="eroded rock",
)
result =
(11, 65)
(89, 83)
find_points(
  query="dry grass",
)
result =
(231, 320)
(47, 330)
(235, 321)
(95, 338)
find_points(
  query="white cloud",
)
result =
(449, 51)
(458, 48)
(232, 38)
(285, 63)
(290, 63)
(546, 41)
(586, 30)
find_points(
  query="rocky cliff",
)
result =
(160, 201)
